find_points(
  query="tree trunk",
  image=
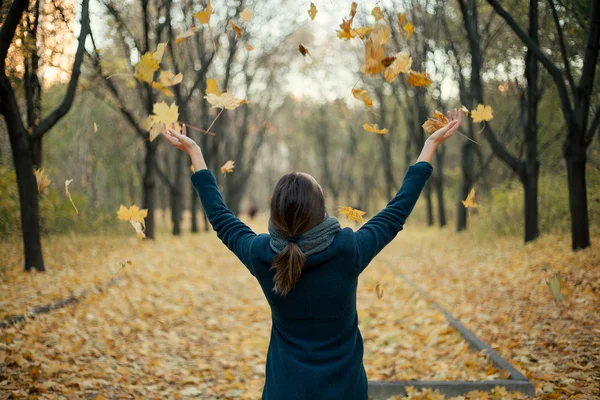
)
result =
(28, 199)
(176, 195)
(194, 210)
(530, 186)
(439, 185)
(149, 189)
(467, 181)
(580, 231)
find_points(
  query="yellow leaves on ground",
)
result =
(469, 202)
(418, 79)
(482, 113)
(42, 179)
(312, 11)
(228, 167)
(135, 216)
(224, 101)
(375, 129)
(204, 16)
(363, 95)
(67, 183)
(352, 214)
(303, 50)
(162, 114)
(246, 15)
(436, 122)
(401, 64)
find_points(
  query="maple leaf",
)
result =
(303, 50)
(409, 29)
(167, 78)
(346, 25)
(212, 87)
(227, 167)
(187, 34)
(469, 202)
(204, 16)
(482, 113)
(312, 11)
(42, 179)
(401, 64)
(376, 12)
(352, 214)
(225, 101)
(160, 51)
(238, 29)
(374, 55)
(67, 183)
(436, 122)
(375, 128)
(145, 68)
(132, 214)
(363, 95)
(418, 79)
(246, 15)
(362, 31)
(162, 114)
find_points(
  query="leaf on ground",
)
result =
(482, 113)
(436, 122)
(352, 214)
(246, 15)
(228, 167)
(224, 101)
(312, 11)
(375, 129)
(42, 179)
(379, 290)
(67, 183)
(469, 202)
(418, 79)
(363, 95)
(401, 64)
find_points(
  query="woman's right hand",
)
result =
(184, 143)
(447, 131)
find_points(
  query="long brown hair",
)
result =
(297, 205)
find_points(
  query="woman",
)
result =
(308, 269)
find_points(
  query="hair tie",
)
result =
(292, 239)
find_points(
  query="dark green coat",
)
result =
(316, 349)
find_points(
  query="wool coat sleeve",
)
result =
(373, 236)
(236, 235)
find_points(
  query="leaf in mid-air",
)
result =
(204, 16)
(556, 286)
(227, 167)
(145, 68)
(160, 51)
(469, 202)
(95, 128)
(482, 113)
(42, 179)
(246, 15)
(418, 79)
(212, 87)
(436, 122)
(377, 13)
(187, 34)
(312, 11)
(401, 64)
(363, 95)
(67, 183)
(162, 114)
(352, 214)
(375, 129)
(374, 55)
(303, 50)
(249, 47)
(465, 110)
(346, 25)
(226, 101)
(238, 29)
(409, 29)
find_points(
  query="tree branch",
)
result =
(563, 48)
(9, 27)
(593, 128)
(64, 107)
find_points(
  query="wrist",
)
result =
(431, 143)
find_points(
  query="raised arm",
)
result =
(236, 235)
(373, 236)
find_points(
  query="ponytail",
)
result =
(288, 267)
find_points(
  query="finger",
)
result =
(184, 131)
(448, 115)
(172, 131)
(164, 128)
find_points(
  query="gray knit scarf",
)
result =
(310, 242)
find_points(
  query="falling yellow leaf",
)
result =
(418, 79)
(409, 29)
(312, 11)
(187, 34)
(95, 128)
(465, 110)
(375, 128)
(381, 34)
(226, 100)
(469, 202)
(303, 50)
(67, 183)
(482, 113)
(246, 15)
(436, 122)
(162, 114)
(238, 29)
(362, 31)
(374, 55)
(167, 78)
(558, 288)
(42, 179)
(160, 51)
(346, 25)
(249, 47)
(401, 64)
(138, 229)
(379, 290)
(376, 12)
(212, 87)
(133, 213)
(145, 68)
(363, 95)
(204, 16)
(352, 214)
(227, 167)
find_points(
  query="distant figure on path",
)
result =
(308, 268)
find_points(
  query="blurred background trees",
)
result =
(535, 166)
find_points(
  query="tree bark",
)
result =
(149, 188)
(439, 185)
